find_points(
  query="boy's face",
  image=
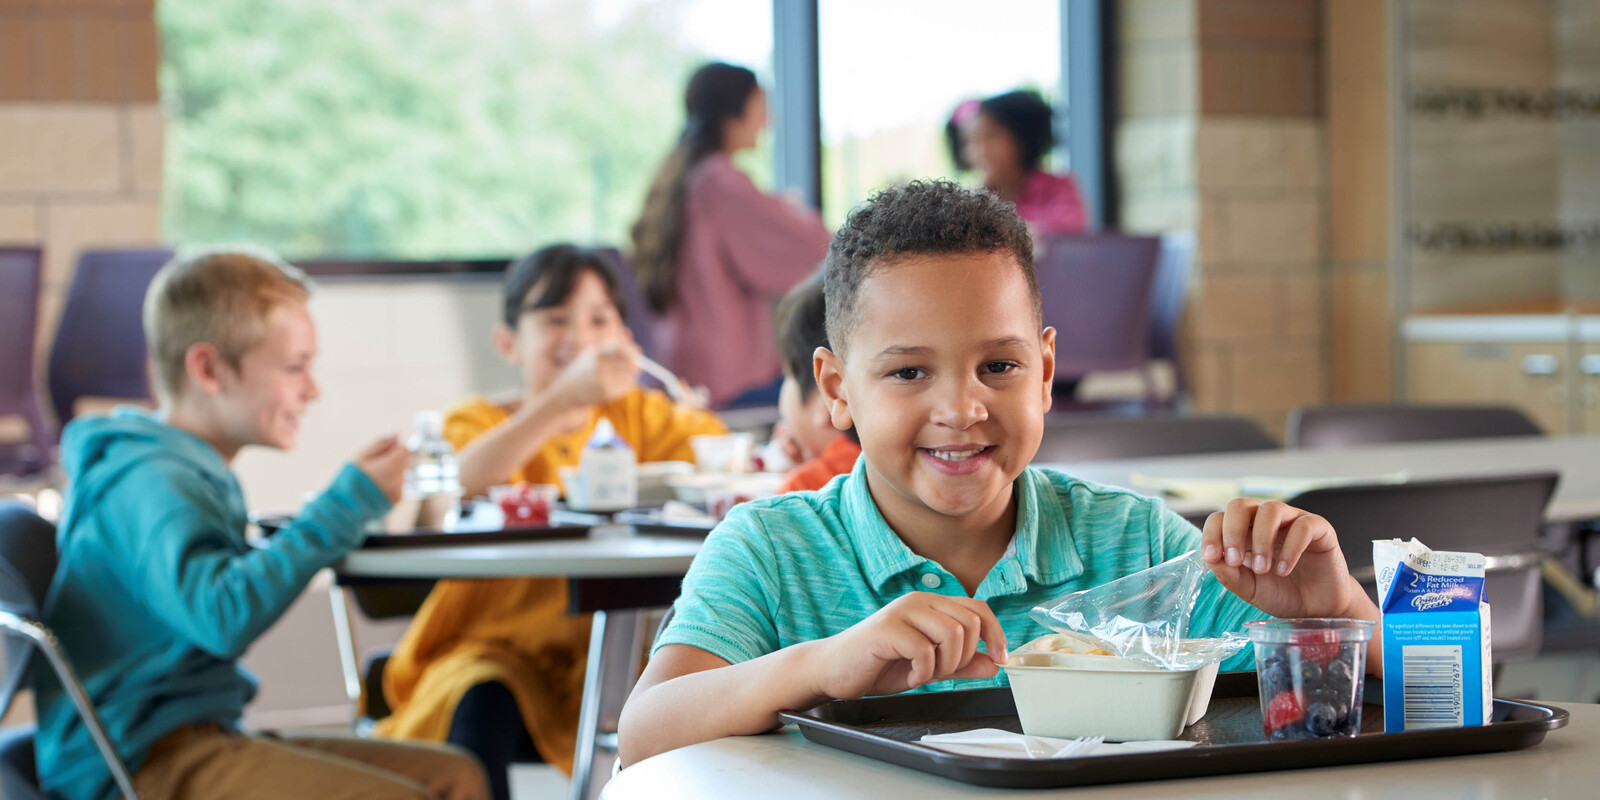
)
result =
(946, 377)
(546, 340)
(807, 418)
(264, 399)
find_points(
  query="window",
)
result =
(430, 128)
(892, 73)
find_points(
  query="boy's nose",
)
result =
(960, 406)
(313, 391)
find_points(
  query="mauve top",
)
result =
(742, 249)
(1052, 204)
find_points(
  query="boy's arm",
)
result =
(1287, 562)
(192, 573)
(688, 695)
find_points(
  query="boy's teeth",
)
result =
(955, 455)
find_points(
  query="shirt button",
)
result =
(931, 581)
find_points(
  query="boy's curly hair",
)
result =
(923, 217)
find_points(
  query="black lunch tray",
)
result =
(436, 537)
(648, 520)
(1230, 742)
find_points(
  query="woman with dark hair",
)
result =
(1006, 138)
(712, 252)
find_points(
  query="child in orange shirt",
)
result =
(485, 658)
(808, 433)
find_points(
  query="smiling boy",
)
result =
(942, 538)
(157, 593)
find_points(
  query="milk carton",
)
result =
(608, 473)
(1436, 667)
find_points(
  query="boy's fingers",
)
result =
(1236, 529)
(971, 629)
(1270, 516)
(1305, 530)
(946, 636)
(1211, 539)
(981, 667)
(378, 447)
(993, 635)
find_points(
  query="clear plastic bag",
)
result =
(1144, 616)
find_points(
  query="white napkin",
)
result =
(996, 743)
(679, 511)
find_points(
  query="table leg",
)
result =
(348, 658)
(615, 649)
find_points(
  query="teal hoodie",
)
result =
(158, 593)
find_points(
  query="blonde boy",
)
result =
(157, 594)
(942, 538)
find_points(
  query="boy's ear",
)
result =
(1048, 352)
(203, 365)
(829, 373)
(505, 343)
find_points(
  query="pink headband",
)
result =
(965, 112)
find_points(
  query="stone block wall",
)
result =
(1222, 134)
(81, 133)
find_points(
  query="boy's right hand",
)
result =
(600, 374)
(917, 639)
(384, 462)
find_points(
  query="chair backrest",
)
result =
(1495, 515)
(27, 565)
(19, 307)
(1096, 291)
(1168, 297)
(1336, 427)
(20, 269)
(1071, 439)
(1499, 516)
(99, 349)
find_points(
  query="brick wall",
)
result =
(1223, 135)
(81, 133)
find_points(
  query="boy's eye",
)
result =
(999, 367)
(907, 373)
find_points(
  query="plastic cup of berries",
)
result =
(525, 505)
(1312, 674)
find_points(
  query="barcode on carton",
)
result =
(1433, 688)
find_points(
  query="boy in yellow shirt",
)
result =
(485, 660)
(915, 571)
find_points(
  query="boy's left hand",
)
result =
(1282, 560)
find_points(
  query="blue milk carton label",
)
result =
(1436, 665)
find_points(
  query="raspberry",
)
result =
(1284, 710)
(1321, 647)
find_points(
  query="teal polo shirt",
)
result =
(808, 565)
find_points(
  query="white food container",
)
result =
(1067, 696)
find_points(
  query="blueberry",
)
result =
(1275, 677)
(1322, 719)
(1310, 675)
(1339, 673)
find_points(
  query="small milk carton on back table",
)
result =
(607, 478)
(1437, 672)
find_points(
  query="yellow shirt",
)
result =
(517, 630)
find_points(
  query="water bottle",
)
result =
(433, 478)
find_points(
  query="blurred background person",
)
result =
(712, 252)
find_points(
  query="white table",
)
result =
(608, 553)
(783, 764)
(1577, 458)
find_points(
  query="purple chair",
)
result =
(19, 306)
(99, 349)
(1097, 295)
(1168, 297)
(641, 319)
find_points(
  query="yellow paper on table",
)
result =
(1221, 490)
